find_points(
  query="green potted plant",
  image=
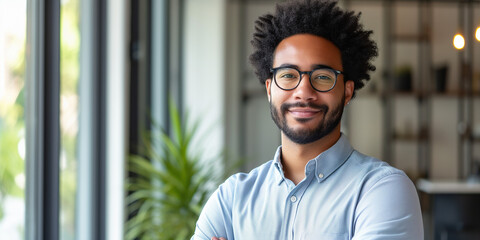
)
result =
(169, 184)
(403, 78)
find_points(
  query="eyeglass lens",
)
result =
(322, 79)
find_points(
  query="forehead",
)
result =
(306, 50)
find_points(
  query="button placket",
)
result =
(297, 196)
(289, 214)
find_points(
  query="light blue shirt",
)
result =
(345, 195)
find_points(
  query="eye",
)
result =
(287, 75)
(323, 77)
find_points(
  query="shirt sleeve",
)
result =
(216, 217)
(389, 209)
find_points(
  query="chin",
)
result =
(302, 127)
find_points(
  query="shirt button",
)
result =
(320, 175)
(293, 199)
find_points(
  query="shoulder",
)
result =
(370, 163)
(375, 178)
(372, 170)
(386, 196)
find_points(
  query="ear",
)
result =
(268, 87)
(349, 87)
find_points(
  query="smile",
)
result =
(303, 112)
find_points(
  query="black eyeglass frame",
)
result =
(336, 72)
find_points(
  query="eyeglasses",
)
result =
(322, 79)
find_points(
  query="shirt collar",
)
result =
(324, 164)
(330, 160)
(279, 176)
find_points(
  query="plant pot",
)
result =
(441, 79)
(403, 82)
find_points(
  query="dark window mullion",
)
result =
(101, 92)
(51, 121)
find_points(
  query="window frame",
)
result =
(42, 120)
(103, 116)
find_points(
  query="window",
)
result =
(12, 123)
(63, 118)
(69, 100)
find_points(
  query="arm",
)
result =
(389, 210)
(216, 217)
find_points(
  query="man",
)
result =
(312, 57)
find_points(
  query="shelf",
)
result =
(455, 94)
(448, 187)
(409, 138)
(410, 37)
(421, 135)
(416, 94)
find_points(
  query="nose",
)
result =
(304, 90)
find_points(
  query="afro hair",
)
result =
(321, 18)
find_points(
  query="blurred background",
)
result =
(85, 84)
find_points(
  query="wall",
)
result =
(204, 70)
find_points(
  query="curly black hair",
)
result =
(321, 18)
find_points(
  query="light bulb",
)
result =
(477, 34)
(458, 41)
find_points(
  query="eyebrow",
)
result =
(314, 66)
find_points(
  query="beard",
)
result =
(329, 122)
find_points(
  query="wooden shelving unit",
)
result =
(423, 87)
(420, 91)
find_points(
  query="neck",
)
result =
(296, 156)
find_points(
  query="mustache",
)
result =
(286, 106)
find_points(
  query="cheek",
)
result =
(277, 95)
(331, 99)
(337, 94)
